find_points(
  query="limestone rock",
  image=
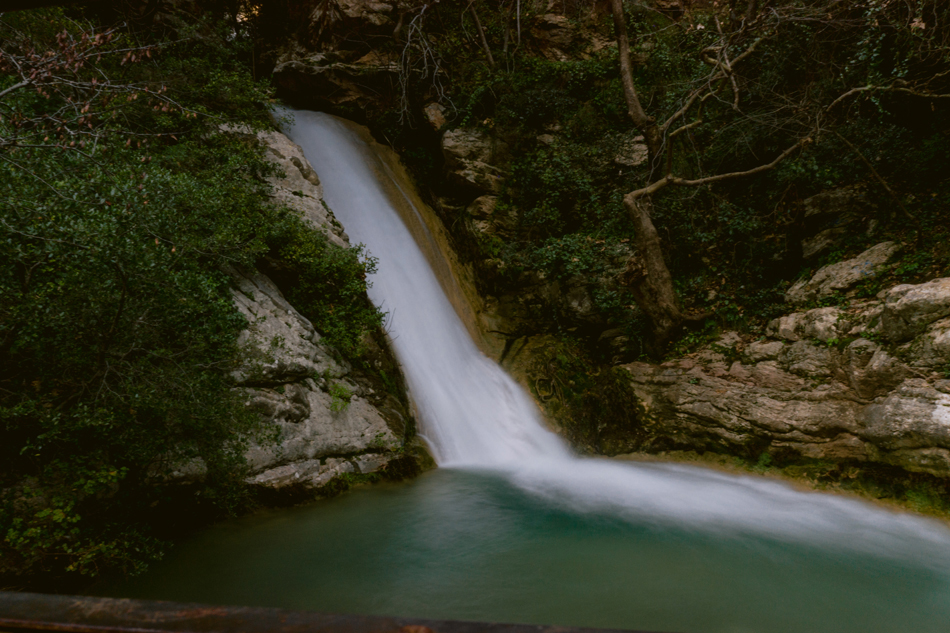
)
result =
(909, 309)
(632, 152)
(310, 474)
(687, 407)
(788, 327)
(435, 115)
(299, 188)
(836, 278)
(931, 350)
(804, 358)
(869, 369)
(487, 219)
(279, 344)
(820, 323)
(467, 153)
(831, 215)
(913, 424)
(553, 34)
(323, 432)
(335, 79)
(763, 350)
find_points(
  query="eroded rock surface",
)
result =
(468, 156)
(843, 276)
(326, 423)
(817, 386)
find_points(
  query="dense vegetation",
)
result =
(860, 90)
(123, 201)
(559, 122)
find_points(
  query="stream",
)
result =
(514, 527)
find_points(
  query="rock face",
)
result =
(299, 188)
(326, 422)
(831, 215)
(468, 155)
(818, 386)
(843, 276)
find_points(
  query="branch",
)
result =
(14, 87)
(481, 35)
(684, 182)
(883, 182)
(635, 109)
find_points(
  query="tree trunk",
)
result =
(646, 124)
(647, 275)
(649, 279)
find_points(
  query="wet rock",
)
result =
(840, 277)
(299, 186)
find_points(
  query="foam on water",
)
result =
(475, 416)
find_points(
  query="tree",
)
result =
(118, 207)
(918, 42)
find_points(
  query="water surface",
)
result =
(516, 528)
(459, 544)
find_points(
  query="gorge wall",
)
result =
(861, 380)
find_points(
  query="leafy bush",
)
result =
(122, 200)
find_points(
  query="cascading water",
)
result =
(514, 527)
(474, 415)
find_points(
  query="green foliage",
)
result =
(325, 282)
(595, 407)
(118, 330)
(340, 397)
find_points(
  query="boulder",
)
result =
(435, 115)
(820, 323)
(840, 277)
(487, 219)
(831, 215)
(467, 152)
(909, 309)
(911, 427)
(931, 350)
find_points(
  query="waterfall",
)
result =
(473, 415)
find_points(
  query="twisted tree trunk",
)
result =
(647, 275)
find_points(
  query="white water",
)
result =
(474, 415)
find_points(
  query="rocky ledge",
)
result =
(864, 381)
(327, 421)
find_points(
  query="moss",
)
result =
(594, 406)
